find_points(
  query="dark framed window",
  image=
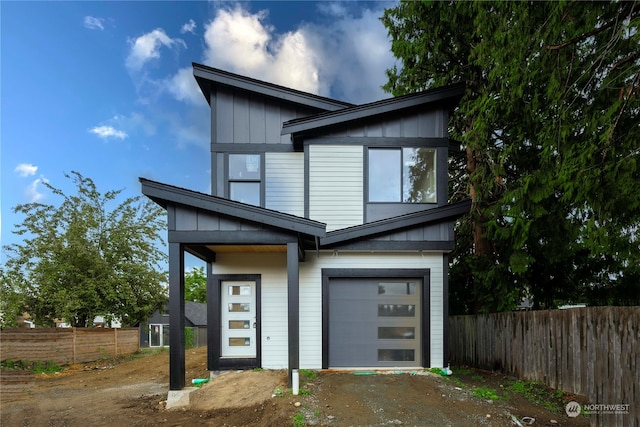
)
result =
(402, 175)
(245, 178)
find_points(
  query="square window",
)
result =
(406, 175)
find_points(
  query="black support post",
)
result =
(293, 293)
(176, 317)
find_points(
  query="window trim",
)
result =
(400, 148)
(228, 181)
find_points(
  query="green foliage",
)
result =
(538, 394)
(549, 126)
(310, 374)
(88, 256)
(189, 337)
(485, 393)
(195, 285)
(299, 420)
(37, 366)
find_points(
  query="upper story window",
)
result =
(245, 178)
(402, 175)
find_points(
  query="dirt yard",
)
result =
(133, 393)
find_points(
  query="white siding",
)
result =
(273, 271)
(336, 185)
(311, 295)
(272, 268)
(284, 175)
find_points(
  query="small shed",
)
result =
(155, 331)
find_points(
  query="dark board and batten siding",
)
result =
(247, 118)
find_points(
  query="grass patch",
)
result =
(303, 392)
(257, 369)
(278, 392)
(298, 420)
(538, 394)
(37, 367)
(460, 371)
(309, 374)
(485, 393)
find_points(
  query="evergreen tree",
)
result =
(551, 129)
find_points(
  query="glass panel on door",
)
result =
(238, 319)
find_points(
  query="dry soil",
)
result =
(133, 393)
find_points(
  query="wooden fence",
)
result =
(65, 346)
(592, 351)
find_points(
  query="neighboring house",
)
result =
(155, 331)
(327, 233)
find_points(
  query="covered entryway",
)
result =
(376, 318)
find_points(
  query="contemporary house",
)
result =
(326, 234)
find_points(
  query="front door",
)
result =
(238, 308)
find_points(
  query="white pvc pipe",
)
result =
(295, 379)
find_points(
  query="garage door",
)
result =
(375, 322)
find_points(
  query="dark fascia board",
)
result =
(205, 76)
(164, 195)
(396, 223)
(446, 95)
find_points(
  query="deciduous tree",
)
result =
(89, 256)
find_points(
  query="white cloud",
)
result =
(26, 169)
(354, 53)
(132, 123)
(93, 23)
(32, 192)
(188, 27)
(241, 42)
(183, 87)
(345, 58)
(147, 47)
(105, 132)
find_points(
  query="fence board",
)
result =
(65, 346)
(592, 351)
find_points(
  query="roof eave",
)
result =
(164, 195)
(204, 74)
(367, 230)
(449, 95)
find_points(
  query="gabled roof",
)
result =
(387, 225)
(205, 76)
(196, 313)
(445, 96)
(164, 194)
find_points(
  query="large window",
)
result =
(245, 178)
(402, 175)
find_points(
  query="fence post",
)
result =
(115, 342)
(74, 345)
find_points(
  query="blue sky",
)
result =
(107, 89)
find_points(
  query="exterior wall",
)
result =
(284, 176)
(336, 185)
(273, 271)
(272, 268)
(241, 117)
(423, 124)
